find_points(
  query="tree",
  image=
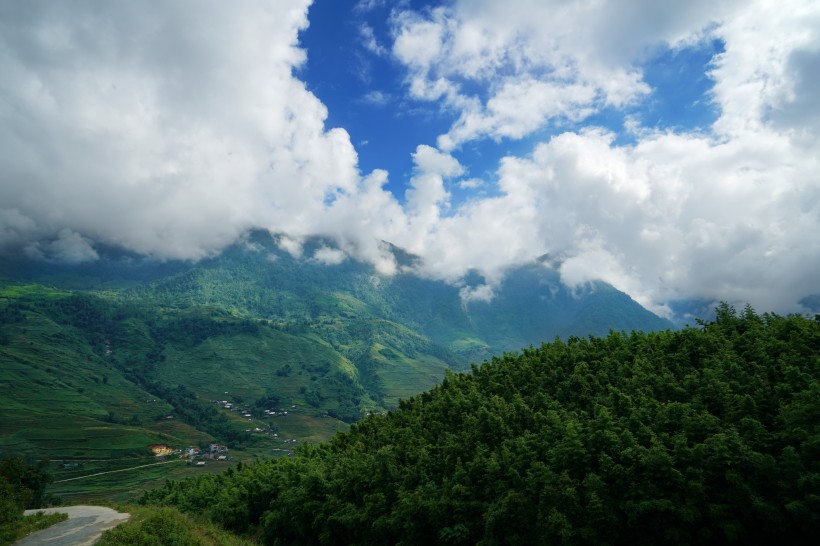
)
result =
(23, 484)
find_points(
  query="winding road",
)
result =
(83, 527)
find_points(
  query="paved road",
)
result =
(83, 527)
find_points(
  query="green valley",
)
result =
(254, 348)
(356, 413)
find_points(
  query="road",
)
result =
(113, 471)
(83, 527)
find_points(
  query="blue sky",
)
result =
(667, 148)
(365, 93)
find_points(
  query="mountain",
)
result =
(698, 436)
(96, 357)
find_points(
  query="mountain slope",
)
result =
(530, 305)
(700, 436)
(58, 397)
(256, 324)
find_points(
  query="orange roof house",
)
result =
(160, 449)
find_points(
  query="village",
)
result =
(255, 413)
(196, 456)
(199, 456)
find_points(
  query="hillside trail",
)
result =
(84, 526)
(114, 471)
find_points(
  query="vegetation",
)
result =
(166, 527)
(701, 436)
(96, 357)
(19, 528)
(22, 486)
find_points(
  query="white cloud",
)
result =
(290, 245)
(470, 184)
(761, 75)
(377, 98)
(419, 43)
(519, 108)
(15, 228)
(427, 193)
(470, 294)
(715, 215)
(677, 215)
(537, 61)
(171, 131)
(370, 42)
(369, 5)
(329, 256)
(168, 128)
(428, 160)
(69, 247)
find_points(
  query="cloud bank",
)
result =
(166, 127)
(171, 128)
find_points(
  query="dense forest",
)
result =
(703, 435)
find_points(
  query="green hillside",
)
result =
(700, 436)
(87, 377)
(57, 393)
(101, 360)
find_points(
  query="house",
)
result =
(216, 448)
(160, 449)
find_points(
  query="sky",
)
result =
(667, 148)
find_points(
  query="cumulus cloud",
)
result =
(165, 127)
(536, 62)
(519, 108)
(766, 68)
(171, 128)
(716, 214)
(539, 61)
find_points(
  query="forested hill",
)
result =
(704, 435)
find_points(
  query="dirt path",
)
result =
(112, 471)
(83, 527)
